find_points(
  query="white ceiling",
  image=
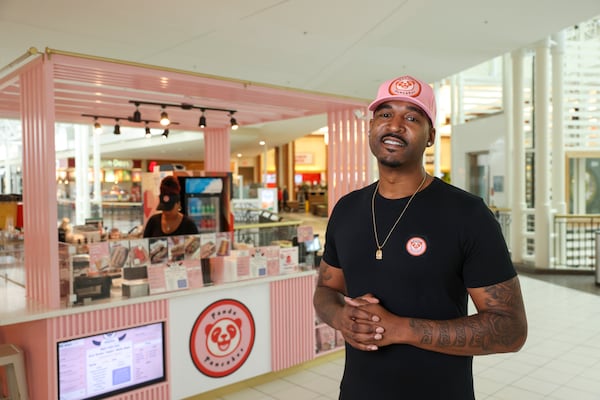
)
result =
(339, 47)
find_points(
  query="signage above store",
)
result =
(126, 164)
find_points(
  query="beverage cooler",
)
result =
(204, 199)
(201, 199)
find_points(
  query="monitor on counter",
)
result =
(313, 245)
(102, 365)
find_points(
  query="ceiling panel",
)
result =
(336, 47)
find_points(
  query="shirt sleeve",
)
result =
(487, 258)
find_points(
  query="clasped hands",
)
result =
(363, 322)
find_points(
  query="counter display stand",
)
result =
(273, 313)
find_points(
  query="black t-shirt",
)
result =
(448, 240)
(154, 229)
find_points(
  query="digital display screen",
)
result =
(313, 245)
(94, 367)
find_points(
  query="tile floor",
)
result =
(560, 361)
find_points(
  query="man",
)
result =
(401, 258)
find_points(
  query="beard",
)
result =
(389, 163)
(389, 160)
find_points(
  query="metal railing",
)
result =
(574, 241)
(503, 216)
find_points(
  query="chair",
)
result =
(11, 359)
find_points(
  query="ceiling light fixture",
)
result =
(97, 126)
(202, 123)
(148, 133)
(164, 117)
(165, 134)
(117, 130)
(137, 115)
(234, 124)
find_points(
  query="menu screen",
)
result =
(94, 367)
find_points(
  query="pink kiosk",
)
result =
(272, 316)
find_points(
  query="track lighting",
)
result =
(117, 128)
(97, 126)
(164, 117)
(202, 123)
(234, 124)
(165, 133)
(137, 115)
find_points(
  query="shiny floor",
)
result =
(560, 361)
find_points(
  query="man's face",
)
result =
(399, 132)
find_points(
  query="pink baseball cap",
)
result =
(407, 88)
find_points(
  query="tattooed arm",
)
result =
(499, 326)
(355, 323)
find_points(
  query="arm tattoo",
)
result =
(497, 327)
(478, 332)
(425, 328)
(461, 336)
(444, 339)
(504, 297)
(503, 294)
(324, 274)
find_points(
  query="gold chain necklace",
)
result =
(167, 225)
(379, 252)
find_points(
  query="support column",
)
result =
(82, 184)
(8, 170)
(285, 168)
(517, 196)
(437, 144)
(39, 187)
(558, 135)
(97, 199)
(543, 226)
(349, 163)
(507, 106)
(453, 101)
(216, 150)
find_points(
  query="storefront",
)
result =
(44, 90)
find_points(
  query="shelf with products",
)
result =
(327, 339)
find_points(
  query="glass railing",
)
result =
(12, 258)
(98, 271)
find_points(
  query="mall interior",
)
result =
(89, 310)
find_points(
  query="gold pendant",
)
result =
(379, 254)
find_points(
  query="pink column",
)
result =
(348, 153)
(217, 150)
(39, 183)
(292, 322)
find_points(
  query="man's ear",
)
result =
(431, 139)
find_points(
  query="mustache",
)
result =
(394, 136)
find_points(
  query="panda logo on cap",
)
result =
(405, 86)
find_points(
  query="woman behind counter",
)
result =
(170, 222)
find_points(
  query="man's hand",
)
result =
(358, 325)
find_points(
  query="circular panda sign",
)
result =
(222, 338)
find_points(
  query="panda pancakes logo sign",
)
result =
(222, 338)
